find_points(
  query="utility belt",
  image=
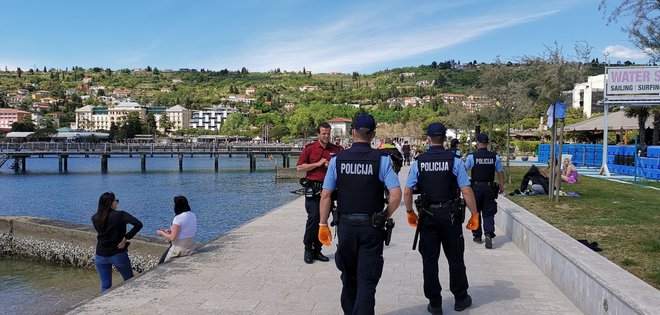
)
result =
(378, 220)
(425, 209)
(489, 184)
(311, 188)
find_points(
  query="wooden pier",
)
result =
(19, 153)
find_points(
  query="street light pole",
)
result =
(508, 146)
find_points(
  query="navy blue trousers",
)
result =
(437, 231)
(487, 207)
(360, 259)
(311, 237)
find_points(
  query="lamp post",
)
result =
(508, 146)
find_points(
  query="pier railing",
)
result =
(42, 147)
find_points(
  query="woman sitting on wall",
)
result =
(181, 234)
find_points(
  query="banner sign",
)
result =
(632, 83)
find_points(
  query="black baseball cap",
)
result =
(364, 121)
(482, 137)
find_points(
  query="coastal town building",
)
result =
(309, 88)
(240, 99)
(250, 91)
(8, 116)
(587, 94)
(92, 118)
(212, 118)
(340, 127)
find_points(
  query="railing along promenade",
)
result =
(19, 152)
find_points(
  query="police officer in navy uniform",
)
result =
(438, 175)
(483, 165)
(314, 160)
(453, 147)
(358, 175)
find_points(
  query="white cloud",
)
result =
(622, 52)
(362, 39)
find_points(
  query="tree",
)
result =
(645, 29)
(132, 126)
(642, 113)
(19, 71)
(150, 124)
(165, 123)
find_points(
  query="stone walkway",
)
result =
(259, 269)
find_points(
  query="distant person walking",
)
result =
(181, 234)
(112, 239)
(314, 160)
(406, 152)
(483, 165)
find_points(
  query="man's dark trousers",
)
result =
(359, 257)
(311, 239)
(487, 206)
(436, 231)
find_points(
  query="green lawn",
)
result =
(624, 220)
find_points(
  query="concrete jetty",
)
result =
(258, 268)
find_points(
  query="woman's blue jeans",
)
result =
(104, 268)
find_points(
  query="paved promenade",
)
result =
(259, 269)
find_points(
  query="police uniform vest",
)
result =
(483, 169)
(359, 188)
(436, 176)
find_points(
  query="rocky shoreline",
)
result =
(67, 243)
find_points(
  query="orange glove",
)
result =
(325, 237)
(412, 218)
(473, 224)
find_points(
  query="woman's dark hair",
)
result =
(180, 205)
(101, 215)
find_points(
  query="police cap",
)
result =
(482, 137)
(364, 121)
(436, 129)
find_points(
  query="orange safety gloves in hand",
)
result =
(473, 224)
(325, 237)
(412, 218)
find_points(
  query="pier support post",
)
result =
(16, 165)
(23, 165)
(65, 159)
(104, 163)
(285, 158)
(59, 163)
(143, 162)
(253, 162)
(215, 163)
(180, 162)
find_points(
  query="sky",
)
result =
(321, 36)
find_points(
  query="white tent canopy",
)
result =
(616, 121)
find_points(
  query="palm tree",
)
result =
(642, 113)
(656, 125)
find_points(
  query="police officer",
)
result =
(314, 160)
(358, 174)
(438, 175)
(484, 164)
(453, 147)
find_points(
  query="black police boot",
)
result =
(477, 239)
(489, 242)
(309, 256)
(463, 304)
(320, 257)
(436, 310)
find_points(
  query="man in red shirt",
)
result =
(314, 160)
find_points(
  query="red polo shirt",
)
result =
(313, 153)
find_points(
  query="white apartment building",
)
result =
(585, 95)
(212, 118)
(90, 118)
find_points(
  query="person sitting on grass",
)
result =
(570, 173)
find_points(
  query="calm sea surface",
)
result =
(222, 202)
